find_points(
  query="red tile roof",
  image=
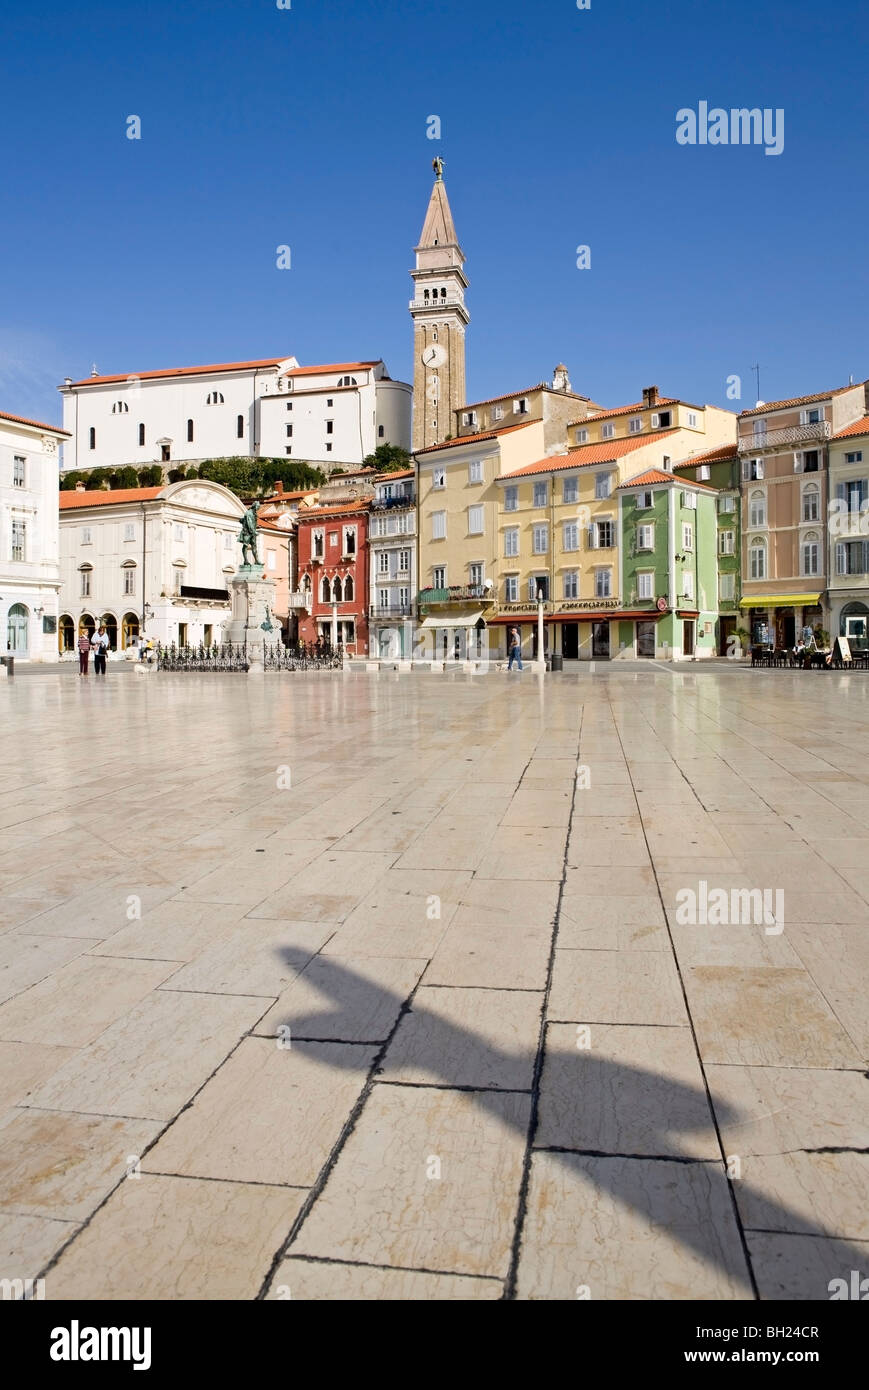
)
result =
(336, 509)
(37, 424)
(587, 455)
(388, 477)
(720, 455)
(795, 400)
(657, 476)
(289, 496)
(475, 438)
(627, 410)
(858, 427)
(222, 367)
(517, 395)
(101, 498)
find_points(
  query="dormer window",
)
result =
(214, 398)
(120, 408)
(347, 381)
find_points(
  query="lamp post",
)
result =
(334, 626)
(541, 660)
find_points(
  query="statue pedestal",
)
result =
(253, 603)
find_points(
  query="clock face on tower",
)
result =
(434, 355)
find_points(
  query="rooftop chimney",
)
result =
(650, 396)
(279, 487)
(80, 487)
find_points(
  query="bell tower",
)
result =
(439, 321)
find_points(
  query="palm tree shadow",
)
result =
(606, 1111)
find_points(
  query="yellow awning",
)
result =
(779, 600)
(462, 617)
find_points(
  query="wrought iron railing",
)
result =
(226, 656)
(302, 657)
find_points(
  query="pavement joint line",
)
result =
(639, 1158)
(812, 1235)
(209, 1177)
(675, 958)
(443, 1086)
(399, 1269)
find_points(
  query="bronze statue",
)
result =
(247, 535)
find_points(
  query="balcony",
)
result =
(386, 504)
(437, 304)
(785, 439)
(395, 610)
(300, 600)
(458, 593)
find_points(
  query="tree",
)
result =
(177, 475)
(69, 480)
(152, 476)
(389, 458)
(124, 477)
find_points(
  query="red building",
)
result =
(333, 569)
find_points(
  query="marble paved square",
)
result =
(434, 1018)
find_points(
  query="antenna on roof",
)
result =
(756, 370)
(94, 371)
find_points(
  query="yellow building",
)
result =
(704, 426)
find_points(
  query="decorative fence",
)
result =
(234, 657)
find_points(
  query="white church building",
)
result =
(29, 568)
(329, 415)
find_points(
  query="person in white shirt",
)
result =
(99, 646)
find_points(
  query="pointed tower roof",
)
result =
(438, 228)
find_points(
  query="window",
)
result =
(687, 536)
(383, 598)
(811, 504)
(475, 521)
(120, 408)
(757, 509)
(330, 426)
(289, 431)
(520, 407)
(475, 575)
(383, 562)
(497, 413)
(129, 530)
(752, 469)
(86, 535)
(540, 540)
(511, 588)
(404, 562)
(319, 544)
(811, 417)
(511, 499)
(214, 398)
(85, 583)
(189, 431)
(856, 457)
(692, 420)
(704, 473)
(475, 471)
(853, 494)
(726, 542)
(635, 424)
(349, 540)
(852, 557)
(645, 538)
(92, 438)
(438, 526)
(603, 582)
(325, 590)
(811, 555)
(19, 464)
(141, 436)
(439, 478)
(661, 421)
(570, 536)
(538, 587)
(511, 541)
(607, 431)
(645, 501)
(129, 580)
(582, 436)
(605, 537)
(687, 584)
(328, 402)
(288, 449)
(727, 587)
(381, 432)
(289, 405)
(541, 492)
(689, 500)
(727, 502)
(646, 584)
(570, 490)
(328, 448)
(811, 461)
(757, 559)
(570, 584)
(469, 419)
(19, 540)
(239, 427)
(439, 577)
(337, 594)
(602, 485)
(759, 429)
(347, 381)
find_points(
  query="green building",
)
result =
(720, 469)
(669, 539)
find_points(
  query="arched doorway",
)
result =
(16, 630)
(854, 624)
(65, 634)
(111, 623)
(129, 629)
(86, 625)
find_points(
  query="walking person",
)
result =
(84, 651)
(100, 645)
(514, 646)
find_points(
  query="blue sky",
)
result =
(307, 127)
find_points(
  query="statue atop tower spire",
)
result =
(438, 165)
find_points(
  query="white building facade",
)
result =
(392, 543)
(153, 560)
(29, 541)
(272, 408)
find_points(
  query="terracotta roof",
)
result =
(270, 526)
(475, 438)
(587, 455)
(388, 477)
(515, 395)
(795, 400)
(858, 427)
(37, 424)
(653, 475)
(101, 498)
(222, 367)
(628, 410)
(720, 455)
(337, 508)
(289, 496)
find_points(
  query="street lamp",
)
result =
(540, 656)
